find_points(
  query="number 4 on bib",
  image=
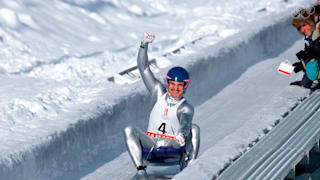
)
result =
(162, 128)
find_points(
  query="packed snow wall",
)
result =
(93, 141)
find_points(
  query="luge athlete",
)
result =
(170, 122)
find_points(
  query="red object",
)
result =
(318, 27)
(284, 72)
(159, 135)
(166, 111)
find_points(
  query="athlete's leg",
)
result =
(195, 142)
(135, 139)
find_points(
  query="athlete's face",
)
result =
(176, 89)
(306, 30)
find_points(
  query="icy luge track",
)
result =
(279, 151)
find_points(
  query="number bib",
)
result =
(163, 121)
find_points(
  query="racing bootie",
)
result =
(141, 173)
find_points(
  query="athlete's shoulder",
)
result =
(187, 107)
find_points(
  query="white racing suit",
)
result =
(168, 118)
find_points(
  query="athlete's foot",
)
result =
(141, 175)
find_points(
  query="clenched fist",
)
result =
(147, 38)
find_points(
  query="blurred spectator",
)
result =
(307, 23)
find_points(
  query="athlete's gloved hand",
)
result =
(180, 139)
(147, 38)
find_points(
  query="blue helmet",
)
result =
(178, 74)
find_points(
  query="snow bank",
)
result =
(98, 137)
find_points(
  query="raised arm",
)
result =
(154, 86)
